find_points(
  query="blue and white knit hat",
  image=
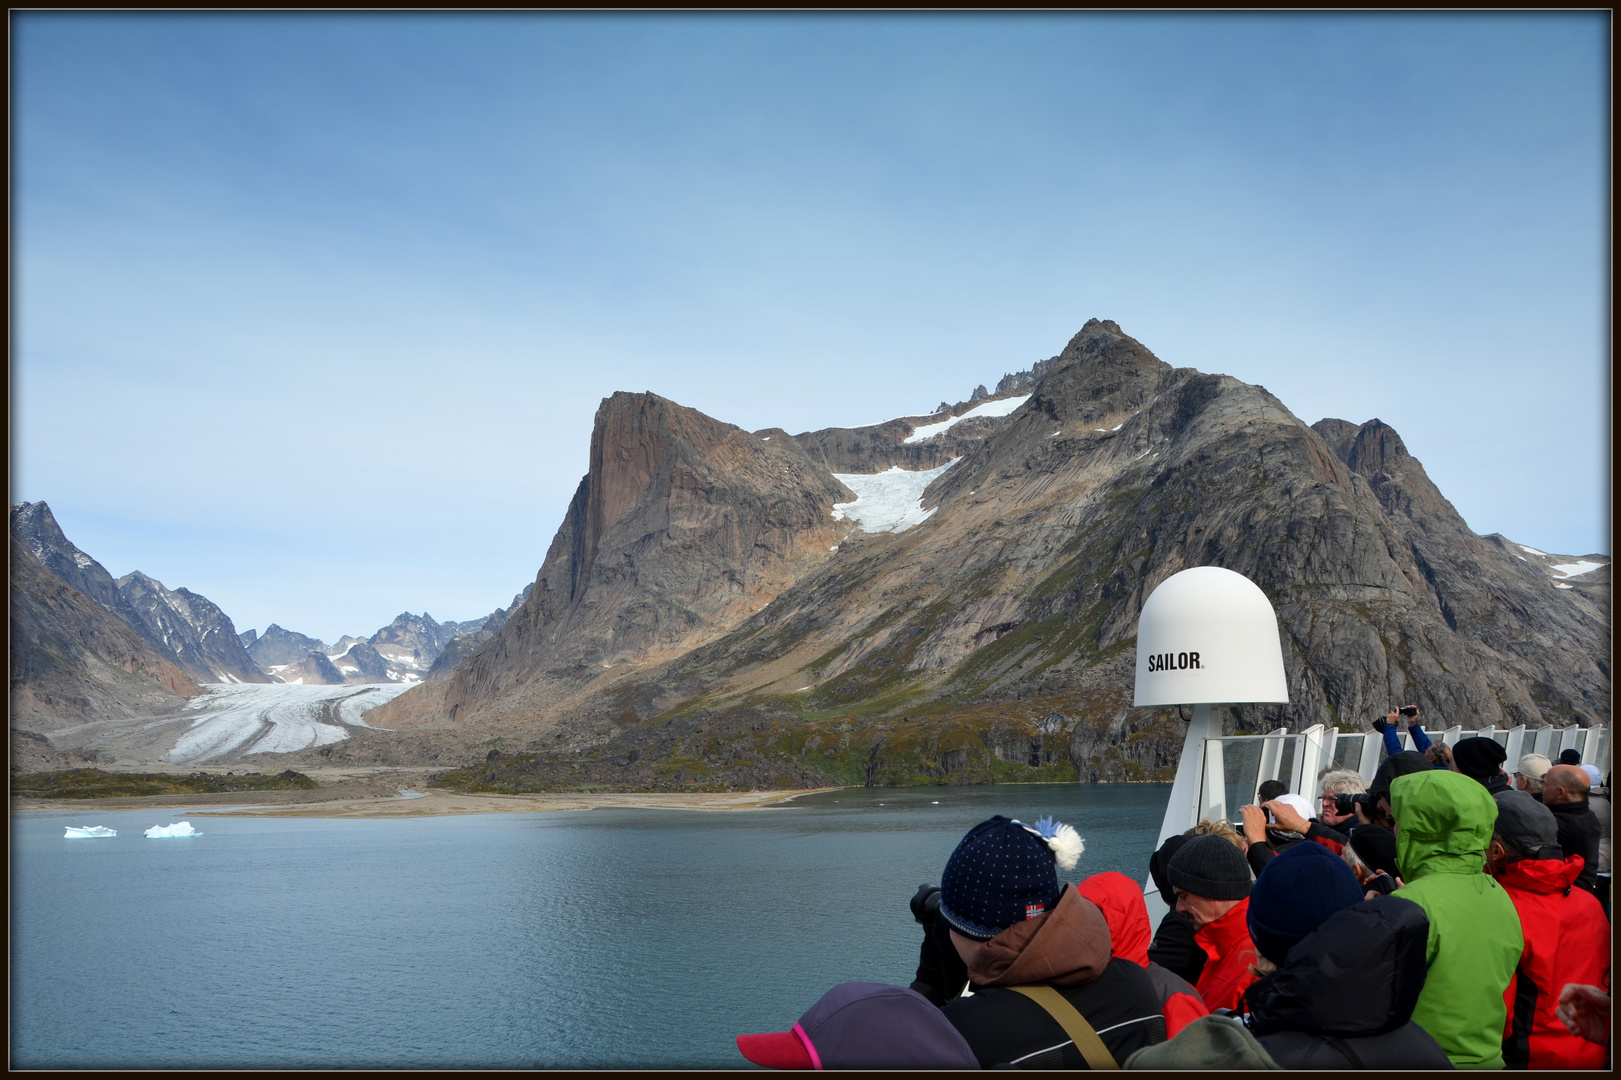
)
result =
(1004, 872)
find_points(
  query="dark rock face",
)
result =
(944, 652)
(368, 662)
(315, 669)
(73, 661)
(278, 646)
(247, 638)
(192, 628)
(421, 634)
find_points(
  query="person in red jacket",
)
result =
(1567, 937)
(1121, 901)
(1212, 884)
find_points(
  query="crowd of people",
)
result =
(1449, 914)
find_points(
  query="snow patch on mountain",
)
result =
(890, 501)
(1001, 407)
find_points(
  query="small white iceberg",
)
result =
(179, 828)
(87, 832)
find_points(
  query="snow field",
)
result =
(889, 501)
(991, 408)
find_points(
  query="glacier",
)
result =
(179, 828)
(87, 832)
(274, 718)
(890, 501)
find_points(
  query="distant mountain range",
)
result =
(948, 597)
(64, 652)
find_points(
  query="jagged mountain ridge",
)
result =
(186, 628)
(72, 661)
(193, 633)
(1008, 616)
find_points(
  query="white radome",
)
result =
(1209, 636)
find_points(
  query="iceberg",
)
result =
(179, 828)
(87, 832)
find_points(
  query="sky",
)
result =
(311, 313)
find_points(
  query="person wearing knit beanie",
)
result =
(1004, 872)
(1480, 758)
(1301, 887)
(1211, 867)
(1211, 879)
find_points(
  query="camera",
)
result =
(1408, 710)
(1346, 803)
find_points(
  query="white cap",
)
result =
(1594, 779)
(1297, 803)
(1534, 767)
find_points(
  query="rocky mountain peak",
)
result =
(683, 527)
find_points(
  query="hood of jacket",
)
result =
(1121, 901)
(1444, 821)
(1541, 875)
(1359, 973)
(1067, 946)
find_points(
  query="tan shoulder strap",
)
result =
(1074, 1024)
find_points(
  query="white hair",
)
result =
(1341, 782)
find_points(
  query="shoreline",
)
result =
(414, 799)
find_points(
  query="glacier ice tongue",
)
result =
(179, 828)
(87, 832)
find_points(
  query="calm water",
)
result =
(596, 938)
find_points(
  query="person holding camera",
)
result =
(1042, 988)
(1386, 726)
(1290, 824)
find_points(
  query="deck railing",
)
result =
(1233, 766)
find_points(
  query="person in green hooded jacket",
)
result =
(1444, 822)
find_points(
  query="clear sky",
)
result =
(311, 313)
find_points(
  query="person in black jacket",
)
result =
(1564, 791)
(1045, 990)
(1481, 759)
(1173, 947)
(1344, 991)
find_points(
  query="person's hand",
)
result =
(1254, 824)
(1585, 1011)
(1286, 816)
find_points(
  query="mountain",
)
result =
(192, 628)
(278, 647)
(715, 608)
(33, 525)
(181, 625)
(74, 662)
(461, 646)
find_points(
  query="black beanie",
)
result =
(1212, 867)
(1159, 865)
(1479, 757)
(1408, 761)
(1571, 756)
(1376, 848)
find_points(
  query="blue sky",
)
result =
(311, 313)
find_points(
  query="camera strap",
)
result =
(1084, 1036)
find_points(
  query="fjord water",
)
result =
(595, 938)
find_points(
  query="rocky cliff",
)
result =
(692, 626)
(683, 527)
